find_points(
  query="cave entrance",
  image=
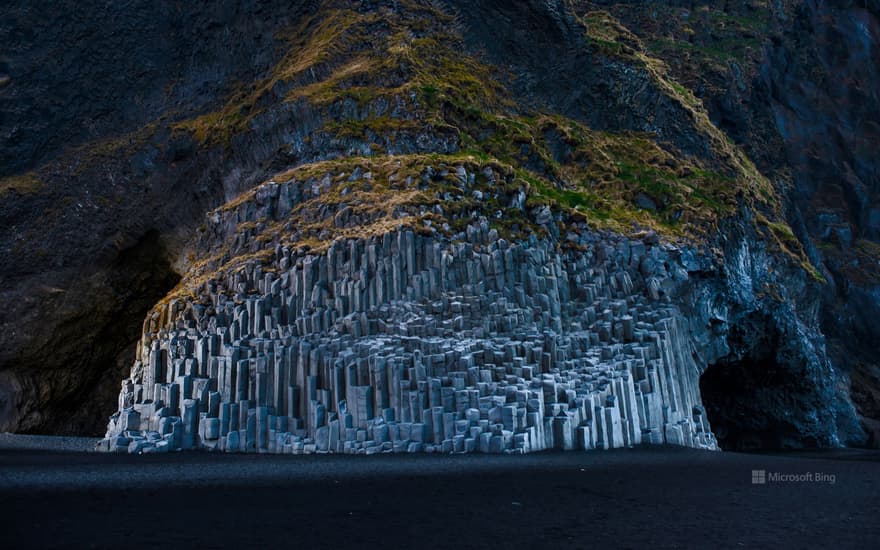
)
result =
(749, 404)
(111, 321)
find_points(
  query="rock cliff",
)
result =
(444, 226)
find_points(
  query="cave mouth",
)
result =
(748, 404)
(131, 285)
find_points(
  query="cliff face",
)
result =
(568, 142)
(794, 83)
(79, 72)
(826, 110)
(92, 186)
(413, 340)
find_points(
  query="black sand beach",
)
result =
(647, 497)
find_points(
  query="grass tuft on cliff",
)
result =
(393, 74)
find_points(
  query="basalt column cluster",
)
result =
(409, 343)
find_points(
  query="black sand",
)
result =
(656, 498)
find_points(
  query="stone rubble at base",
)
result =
(408, 343)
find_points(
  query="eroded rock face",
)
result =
(415, 341)
(73, 72)
(118, 219)
(89, 92)
(794, 83)
(826, 106)
(769, 382)
(405, 343)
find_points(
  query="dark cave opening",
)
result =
(751, 403)
(143, 276)
(100, 345)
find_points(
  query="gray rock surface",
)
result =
(408, 343)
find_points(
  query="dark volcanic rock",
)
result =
(105, 189)
(80, 71)
(795, 84)
(89, 90)
(824, 82)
